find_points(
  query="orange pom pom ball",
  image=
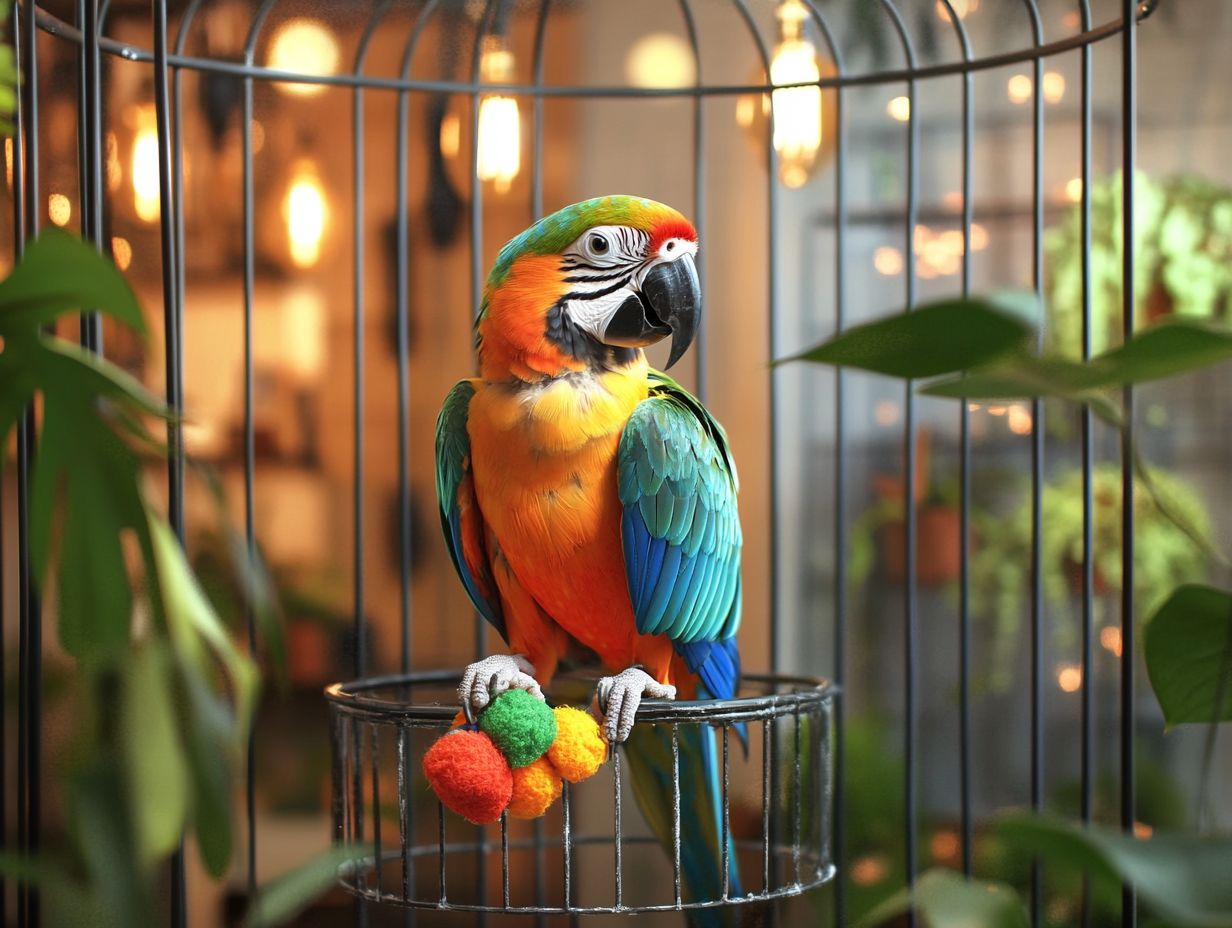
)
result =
(579, 749)
(469, 775)
(535, 787)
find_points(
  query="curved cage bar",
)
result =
(1089, 35)
(775, 745)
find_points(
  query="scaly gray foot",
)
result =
(620, 696)
(484, 680)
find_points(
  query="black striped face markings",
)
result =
(602, 269)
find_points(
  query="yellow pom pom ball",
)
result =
(535, 787)
(579, 749)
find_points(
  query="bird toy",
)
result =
(513, 758)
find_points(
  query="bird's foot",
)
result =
(484, 680)
(620, 696)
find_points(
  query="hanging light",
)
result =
(499, 156)
(797, 111)
(804, 123)
(306, 212)
(144, 167)
(303, 46)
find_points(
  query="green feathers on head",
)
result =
(553, 234)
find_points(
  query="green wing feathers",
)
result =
(461, 520)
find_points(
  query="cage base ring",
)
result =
(593, 853)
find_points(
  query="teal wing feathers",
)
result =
(681, 531)
(461, 519)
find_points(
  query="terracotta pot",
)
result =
(310, 651)
(938, 546)
(1073, 575)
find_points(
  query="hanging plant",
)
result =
(1182, 259)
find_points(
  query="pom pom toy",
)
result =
(535, 787)
(469, 775)
(520, 725)
(514, 759)
(579, 749)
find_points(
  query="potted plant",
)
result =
(1182, 259)
(882, 527)
(1165, 554)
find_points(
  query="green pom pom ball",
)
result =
(520, 725)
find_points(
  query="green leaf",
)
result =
(209, 732)
(192, 620)
(64, 366)
(937, 338)
(283, 899)
(215, 732)
(157, 770)
(1175, 347)
(943, 899)
(1188, 651)
(67, 901)
(97, 813)
(60, 273)
(1184, 878)
(100, 499)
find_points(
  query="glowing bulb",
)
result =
(59, 209)
(886, 413)
(122, 252)
(144, 168)
(1019, 88)
(1019, 419)
(888, 261)
(962, 9)
(1054, 86)
(303, 46)
(306, 213)
(1073, 189)
(1110, 639)
(797, 110)
(869, 870)
(899, 109)
(805, 124)
(1069, 677)
(499, 156)
(660, 60)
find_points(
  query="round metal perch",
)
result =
(592, 853)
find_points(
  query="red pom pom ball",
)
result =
(469, 775)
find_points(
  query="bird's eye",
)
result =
(598, 245)
(671, 246)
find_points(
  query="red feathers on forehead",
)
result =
(670, 228)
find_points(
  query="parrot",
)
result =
(588, 502)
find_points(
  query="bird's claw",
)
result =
(620, 696)
(484, 680)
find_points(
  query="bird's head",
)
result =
(589, 286)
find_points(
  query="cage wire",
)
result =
(378, 723)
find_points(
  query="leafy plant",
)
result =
(1182, 259)
(1189, 639)
(1165, 555)
(164, 696)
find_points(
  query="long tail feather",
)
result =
(648, 755)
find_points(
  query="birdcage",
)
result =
(791, 75)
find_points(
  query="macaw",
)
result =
(589, 502)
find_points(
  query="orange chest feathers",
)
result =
(544, 462)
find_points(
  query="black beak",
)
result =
(669, 304)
